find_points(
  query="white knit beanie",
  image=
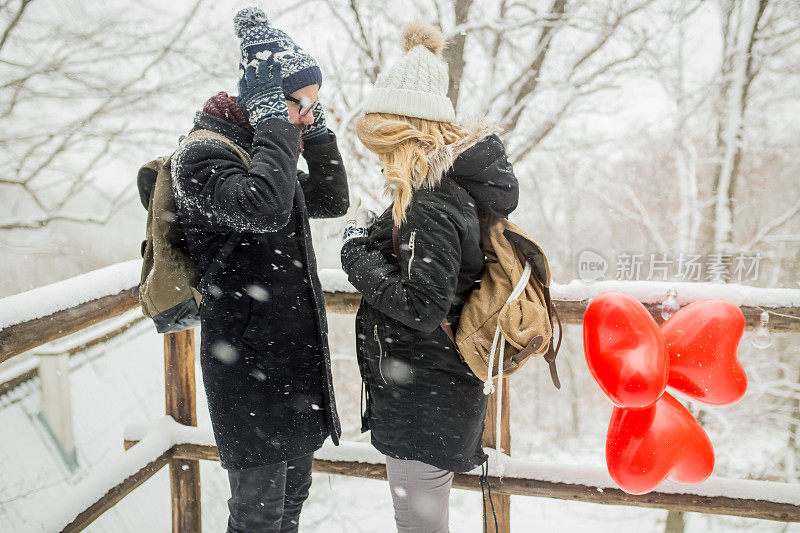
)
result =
(415, 86)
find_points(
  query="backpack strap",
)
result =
(235, 238)
(445, 325)
(536, 341)
(212, 135)
(551, 354)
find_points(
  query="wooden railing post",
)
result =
(181, 403)
(502, 502)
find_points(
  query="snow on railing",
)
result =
(335, 280)
(47, 313)
(767, 499)
(48, 299)
(74, 508)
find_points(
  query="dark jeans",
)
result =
(268, 499)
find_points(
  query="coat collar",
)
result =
(204, 121)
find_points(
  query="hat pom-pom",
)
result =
(426, 35)
(247, 18)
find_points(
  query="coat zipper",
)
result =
(380, 353)
(411, 247)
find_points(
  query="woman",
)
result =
(424, 407)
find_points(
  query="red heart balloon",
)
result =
(702, 339)
(646, 446)
(625, 350)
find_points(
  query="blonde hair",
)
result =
(403, 145)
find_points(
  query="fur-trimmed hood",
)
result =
(479, 164)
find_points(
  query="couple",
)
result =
(264, 347)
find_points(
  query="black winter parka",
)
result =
(423, 402)
(264, 337)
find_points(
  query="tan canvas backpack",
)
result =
(508, 317)
(168, 290)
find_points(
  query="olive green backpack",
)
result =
(168, 290)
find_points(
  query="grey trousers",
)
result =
(421, 496)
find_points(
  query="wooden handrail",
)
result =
(27, 335)
(117, 493)
(519, 486)
(16, 338)
(24, 336)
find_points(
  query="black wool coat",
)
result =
(264, 348)
(423, 402)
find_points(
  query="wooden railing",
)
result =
(183, 458)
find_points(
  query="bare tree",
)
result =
(740, 20)
(530, 66)
(80, 89)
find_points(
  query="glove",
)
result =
(261, 92)
(316, 133)
(357, 221)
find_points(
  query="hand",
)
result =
(357, 221)
(261, 92)
(318, 131)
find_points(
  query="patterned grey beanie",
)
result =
(260, 40)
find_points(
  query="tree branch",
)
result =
(774, 224)
(528, 80)
(14, 21)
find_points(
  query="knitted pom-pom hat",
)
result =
(415, 86)
(260, 40)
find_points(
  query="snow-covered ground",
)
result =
(121, 383)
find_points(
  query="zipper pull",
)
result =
(380, 354)
(411, 248)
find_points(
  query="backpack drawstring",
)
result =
(488, 385)
(484, 480)
(498, 447)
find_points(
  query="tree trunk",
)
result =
(454, 54)
(737, 74)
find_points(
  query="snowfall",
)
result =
(117, 392)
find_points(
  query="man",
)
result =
(264, 349)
